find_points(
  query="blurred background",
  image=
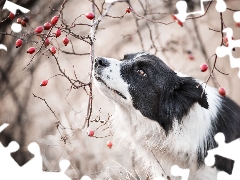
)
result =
(182, 48)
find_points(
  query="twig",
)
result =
(214, 30)
(221, 71)
(73, 53)
(151, 20)
(232, 9)
(10, 34)
(159, 163)
(49, 109)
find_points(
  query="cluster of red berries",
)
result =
(177, 20)
(46, 26)
(22, 21)
(91, 134)
(39, 30)
(221, 90)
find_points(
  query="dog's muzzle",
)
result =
(101, 62)
(99, 65)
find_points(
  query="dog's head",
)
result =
(145, 82)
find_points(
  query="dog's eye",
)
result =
(141, 72)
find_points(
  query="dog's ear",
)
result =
(177, 100)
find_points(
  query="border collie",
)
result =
(166, 118)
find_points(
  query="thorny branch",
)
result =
(43, 49)
(93, 30)
(75, 83)
(58, 123)
(211, 75)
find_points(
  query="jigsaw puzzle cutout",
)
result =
(177, 171)
(181, 6)
(222, 51)
(12, 7)
(6, 138)
(229, 150)
(85, 178)
(234, 63)
(32, 169)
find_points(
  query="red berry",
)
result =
(44, 83)
(23, 23)
(203, 67)
(11, 16)
(39, 29)
(177, 20)
(90, 15)
(180, 23)
(109, 144)
(54, 20)
(19, 20)
(222, 91)
(128, 10)
(65, 41)
(225, 41)
(46, 42)
(18, 43)
(47, 26)
(237, 24)
(31, 50)
(58, 33)
(174, 17)
(191, 57)
(26, 19)
(53, 50)
(90, 133)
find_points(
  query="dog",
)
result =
(166, 118)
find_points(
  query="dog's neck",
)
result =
(192, 133)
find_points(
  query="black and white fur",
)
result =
(167, 118)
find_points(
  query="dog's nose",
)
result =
(101, 61)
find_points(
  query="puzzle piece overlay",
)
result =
(181, 6)
(220, 7)
(231, 151)
(223, 50)
(32, 169)
(15, 26)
